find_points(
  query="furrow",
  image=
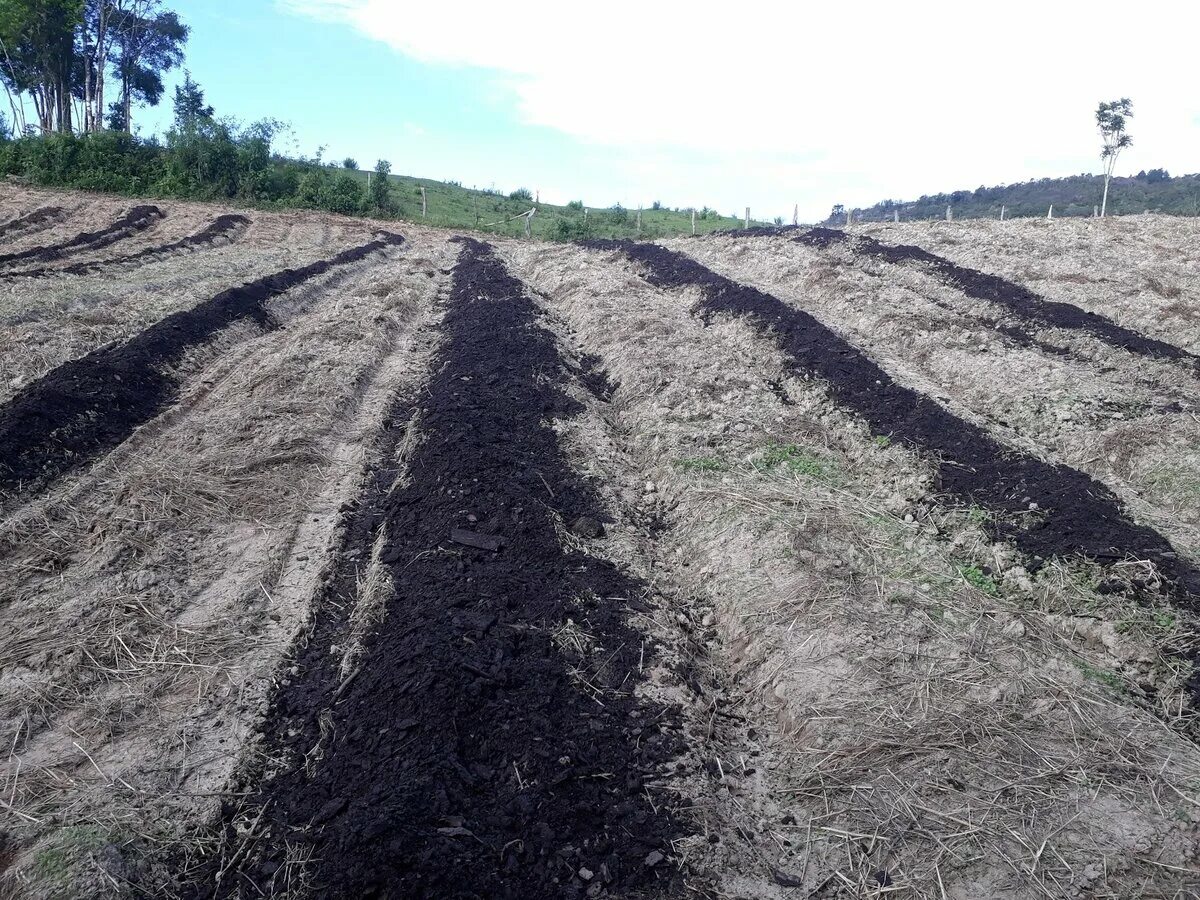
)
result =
(137, 219)
(1047, 511)
(473, 748)
(85, 407)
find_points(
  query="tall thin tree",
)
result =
(1110, 119)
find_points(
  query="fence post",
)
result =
(693, 221)
(1002, 208)
(747, 217)
(949, 214)
(1050, 212)
(1095, 212)
(475, 203)
(795, 215)
(585, 212)
(424, 205)
(639, 220)
(896, 216)
(529, 222)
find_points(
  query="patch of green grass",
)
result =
(977, 515)
(792, 458)
(54, 863)
(701, 464)
(980, 579)
(1102, 676)
(882, 441)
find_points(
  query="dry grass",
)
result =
(151, 598)
(966, 735)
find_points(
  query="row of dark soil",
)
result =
(1046, 510)
(994, 289)
(224, 228)
(139, 218)
(36, 220)
(82, 409)
(472, 755)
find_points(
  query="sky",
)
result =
(760, 104)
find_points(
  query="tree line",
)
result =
(57, 58)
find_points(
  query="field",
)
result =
(344, 558)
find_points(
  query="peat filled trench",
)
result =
(83, 408)
(490, 744)
(39, 218)
(228, 227)
(139, 218)
(994, 289)
(1046, 510)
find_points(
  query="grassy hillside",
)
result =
(453, 206)
(1155, 190)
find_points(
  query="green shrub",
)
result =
(521, 194)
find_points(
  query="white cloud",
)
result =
(766, 103)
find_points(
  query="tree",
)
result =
(381, 185)
(349, 163)
(190, 108)
(37, 42)
(146, 44)
(1110, 119)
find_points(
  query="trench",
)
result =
(491, 742)
(137, 219)
(37, 220)
(1019, 300)
(85, 407)
(227, 227)
(1046, 510)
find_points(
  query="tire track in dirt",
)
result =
(471, 753)
(31, 222)
(139, 218)
(994, 289)
(87, 406)
(229, 228)
(1046, 510)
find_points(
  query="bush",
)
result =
(381, 186)
(575, 206)
(521, 194)
(350, 163)
(572, 230)
(344, 195)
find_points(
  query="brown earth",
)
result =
(457, 571)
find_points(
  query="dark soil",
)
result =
(225, 227)
(1046, 510)
(994, 289)
(139, 218)
(472, 755)
(36, 220)
(83, 408)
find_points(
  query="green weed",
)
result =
(792, 458)
(701, 464)
(980, 579)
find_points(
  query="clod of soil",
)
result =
(994, 289)
(139, 218)
(490, 745)
(1046, 510)
(85, 407)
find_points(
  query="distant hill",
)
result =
(1155, 190)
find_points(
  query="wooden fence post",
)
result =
(849, 217)
(795, 215)
(424, 205)
(949, 214)
(1002, 208)
(1095, 212)
(896, 216)
(747, 217)
(475, 202)
(639, 220)
(693, 221)
(529, 222)
(585, 212)
(1050, 212)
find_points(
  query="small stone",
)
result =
(651, 487)
(586, 874)
(742, 427)
(708, 620)
(587, 527)
(653, 858)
